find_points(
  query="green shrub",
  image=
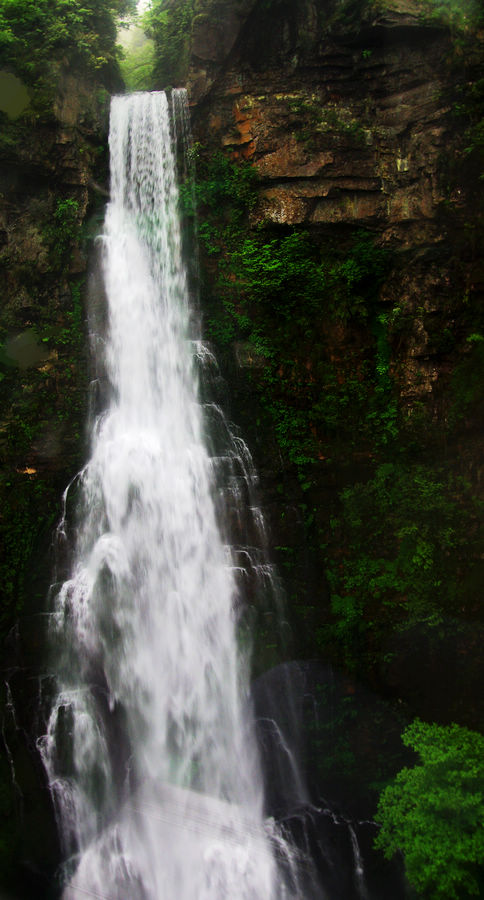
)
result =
(433, 813)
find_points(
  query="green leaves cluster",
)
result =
(433, 813)
(289, 289)
(289, 276)
(282, 274)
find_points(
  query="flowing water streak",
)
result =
(148, 748)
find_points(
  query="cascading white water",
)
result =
(149, 749)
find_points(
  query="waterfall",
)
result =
(149, 745)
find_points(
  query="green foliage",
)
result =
(382, 414)
(64, 230)
(393, 555)
(284, 274)
(289, 276)
(169, 24)
(456, 14)
(288, 288)
(276, 292)
(137, 67)
(433, 813)
(36, 37)
(222, 188)
(356, 276)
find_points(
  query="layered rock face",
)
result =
(347, 123)
(344, 126)
(347, 112)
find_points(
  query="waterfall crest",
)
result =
(149, 746)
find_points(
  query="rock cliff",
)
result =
(347, 122)
(342, 286)
(51, 159)
(358, 123)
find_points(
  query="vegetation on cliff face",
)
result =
(360, 350)
(42, 372)
(44, 386)
(35, 37)
(401, 546)
(61, 53)
(319, 336)
(57, 59)
(169, 25)
(394, 545)
(396, 552)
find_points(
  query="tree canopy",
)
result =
(433, 813)
(34, 34)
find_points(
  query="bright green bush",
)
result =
(433, 813)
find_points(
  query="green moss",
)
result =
(63, 230)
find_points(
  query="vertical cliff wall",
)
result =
(57, 67)
(341, 223)
(339, 151)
